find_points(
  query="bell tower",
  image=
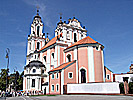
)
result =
(36, 39)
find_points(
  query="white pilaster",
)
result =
(103, 66)
(62, 80)
(55, 58)
(58, 55)
(91, 64)
(48, 60)
(70, 35)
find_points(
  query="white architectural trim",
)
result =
(91, 70)
(58, 55)
(103, 66)
(62, 80)
(55, 60)
(48, 60)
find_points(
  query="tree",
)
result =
(3, 79)
(20, 81)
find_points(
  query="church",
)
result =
(71, 57)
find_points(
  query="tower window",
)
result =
(38, 30)
(69, 57)
(75, 37)
(44, 58)
(42, 71)
(52, 59)
(33, 82)
(38, 45)
(30, 46)
(34, 70)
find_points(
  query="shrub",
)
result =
(131, 87)
(121, 86)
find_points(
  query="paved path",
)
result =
(72, 97)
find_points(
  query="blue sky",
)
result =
(108, 21)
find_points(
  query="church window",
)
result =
(38, 30)
(57, 87)
(35, 56)
(70, 75)
(52, 59)
(38, 44)
(30, 46)
(108, 77)
(34, 70)
(42, 71)
(81, 36)
(57, 75)
(53, 76)
(69, 58)
(75, 37)
(33, 82)
(44, 58)
(52, 88)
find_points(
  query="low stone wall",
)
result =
(93, 88)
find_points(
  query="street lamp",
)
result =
(7, 56)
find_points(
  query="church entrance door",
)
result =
(83, 76)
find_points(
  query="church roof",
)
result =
(51, 42)
(86, 40)
(62, 66)
(35, 63)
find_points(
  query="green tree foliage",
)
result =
(121, 86)
(15, 80)
(131, 87)
(3, 79)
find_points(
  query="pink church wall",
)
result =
(54, 82)
(71, 68)
(83, 60)
(108, 72)
(98, 67)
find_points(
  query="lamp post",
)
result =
(7, 56)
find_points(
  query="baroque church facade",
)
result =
(71, 57)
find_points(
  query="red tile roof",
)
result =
(53, 41)
(86, 40)
(62, 66)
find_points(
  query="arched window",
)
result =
(30, 46)
(38, 30)
(52, 59)
(75, 37)
(69, 58)
(34, 70)
(38, 45)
